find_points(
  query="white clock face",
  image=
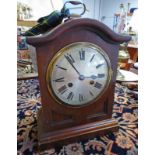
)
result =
(78, 74)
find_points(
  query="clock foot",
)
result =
(48, 139)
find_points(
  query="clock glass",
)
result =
(78, 74)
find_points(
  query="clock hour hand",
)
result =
(71, 63)
(91, 77)
(95, 77)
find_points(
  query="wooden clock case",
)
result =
(58, 122)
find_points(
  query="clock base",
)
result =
(48, 139)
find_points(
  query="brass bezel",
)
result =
(56, 57)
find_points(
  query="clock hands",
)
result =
(82, 77)
(92, 76)
(95, 77)
(71, 63)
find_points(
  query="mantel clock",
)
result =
(77, 67)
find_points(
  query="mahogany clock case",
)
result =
(55, 118)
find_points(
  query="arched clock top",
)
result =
(84, 23)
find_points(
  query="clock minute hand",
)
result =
(72, 65)
(92, 77)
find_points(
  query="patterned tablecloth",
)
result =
(123, 142)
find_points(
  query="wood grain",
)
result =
(58, 122)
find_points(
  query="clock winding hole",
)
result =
(91, 82)
(70, 84)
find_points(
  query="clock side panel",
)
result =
(56, 112)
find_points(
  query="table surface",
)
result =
(27, 76)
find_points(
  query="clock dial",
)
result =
(78, 74)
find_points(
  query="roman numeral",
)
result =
(69, 58)
(60, 80)
(91, 93)
(70, 96)
(62, 89)
(61, 67)
(98, 85)
(92, 58)
(101, 75)
(82, 54)
(99, 65)
(81, 98)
